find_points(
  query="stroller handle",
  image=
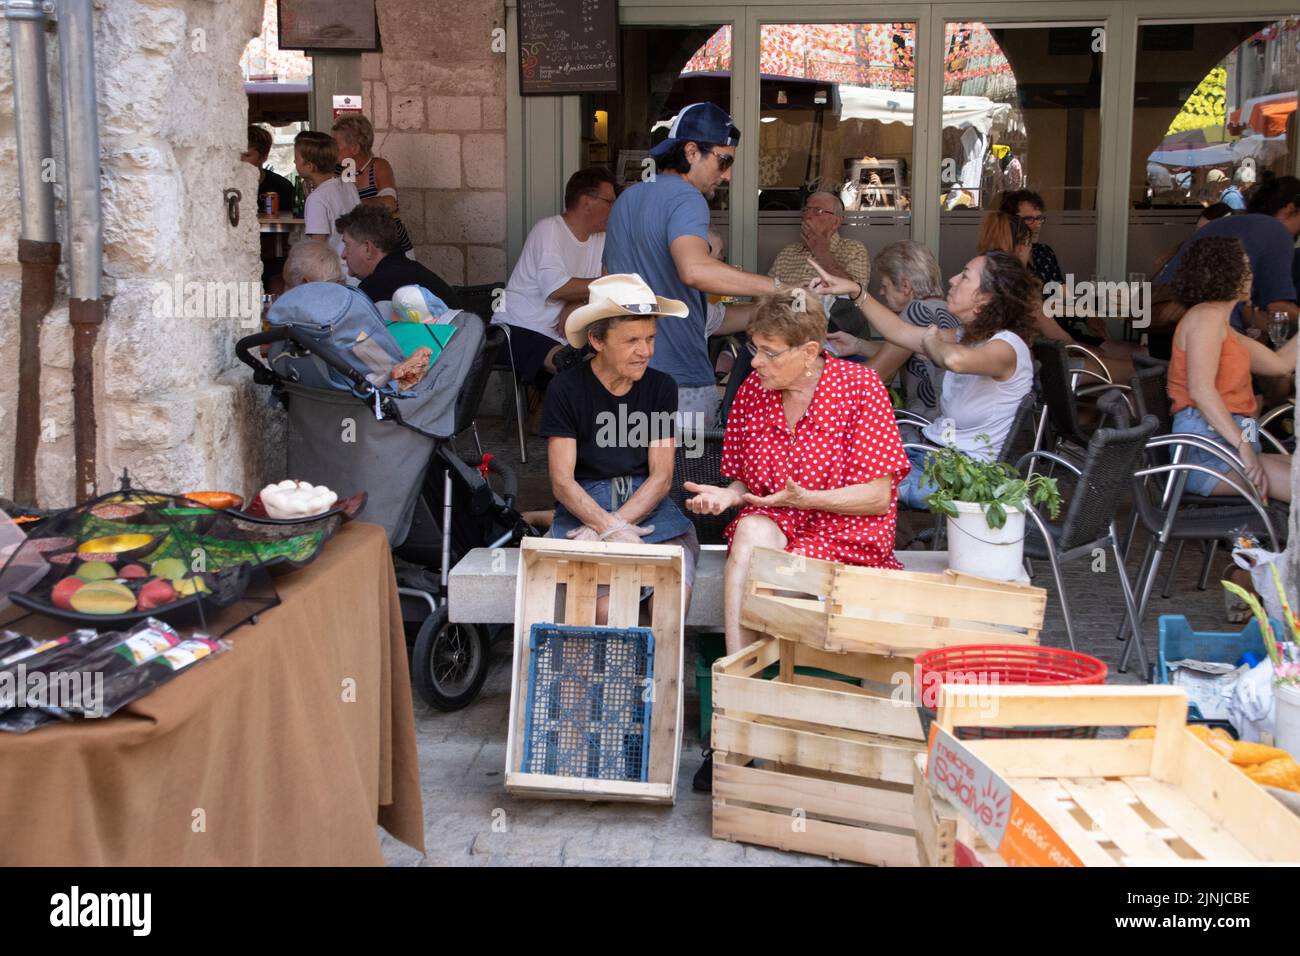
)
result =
(244, 352)
(361, 386)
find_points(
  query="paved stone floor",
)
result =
(470, 821)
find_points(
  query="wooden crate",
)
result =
(557, 584)
(1171, 800)
(837, 760)
(838, 607)
(939, 827)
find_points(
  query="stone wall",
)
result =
(172, 403)
(436, 95)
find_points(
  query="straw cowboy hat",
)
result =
(618, 296)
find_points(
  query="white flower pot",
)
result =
(975, 548)
(1286, 718)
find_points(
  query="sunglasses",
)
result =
(724, 160)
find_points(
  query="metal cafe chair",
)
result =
(1101, 482)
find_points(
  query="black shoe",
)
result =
(703, 780)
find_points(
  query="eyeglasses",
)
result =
(724, 159)
(1031, 220)
(819, 209)
(771, 356)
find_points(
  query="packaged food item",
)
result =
(126, 677)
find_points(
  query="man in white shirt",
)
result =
(314, 156)
(560, 258)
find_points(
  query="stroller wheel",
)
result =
(450, 661)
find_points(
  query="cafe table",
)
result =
(286, 750)
(276, 231)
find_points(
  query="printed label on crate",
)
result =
(1010, 826)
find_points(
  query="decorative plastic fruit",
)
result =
(185, 587)
(127, 546)
(133, 572)
(96, 571)
(61, 596)
(156, 593)
(218, 500)
(168, 568)
(103, 597)
(297, 499)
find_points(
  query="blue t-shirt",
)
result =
(1232, 198)
(642, 225)
(1268, 245)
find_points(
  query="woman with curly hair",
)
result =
(989, 368)
(1211, 364)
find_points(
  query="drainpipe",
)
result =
(85, 225)
(38, 252)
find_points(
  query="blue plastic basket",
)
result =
(587, 713)
(1179, 642)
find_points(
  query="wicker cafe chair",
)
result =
(1150, 393)
(479, 298)
(704, 469)
(1112, 456)
(1160, 508)
(1268, 426)
(1060, 392)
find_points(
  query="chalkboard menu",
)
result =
(328, 25)
(568, 46)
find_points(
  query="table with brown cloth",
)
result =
(287, 750)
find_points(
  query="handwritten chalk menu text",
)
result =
(568, 46)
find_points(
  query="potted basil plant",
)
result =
(985, 505)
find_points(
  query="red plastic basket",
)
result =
(1000, 664)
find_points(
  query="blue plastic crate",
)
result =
(587, 713)
(1179, 642)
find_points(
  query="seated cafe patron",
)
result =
(610, 425)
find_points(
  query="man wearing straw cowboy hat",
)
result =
(659, 229)
(610, 425)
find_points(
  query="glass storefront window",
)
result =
(1021, 110)
(1214, 110)
(664, 69)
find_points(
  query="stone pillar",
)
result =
(183, 284)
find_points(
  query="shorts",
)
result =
(1191, 422)
(530, 349)
(914, 489)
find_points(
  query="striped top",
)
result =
(367, 189)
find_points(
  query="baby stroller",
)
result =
(353, 430)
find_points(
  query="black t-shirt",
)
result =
(395, 270)
(613, 432)
(273, 182)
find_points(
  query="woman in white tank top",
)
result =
(989, 368)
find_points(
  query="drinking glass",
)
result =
(1279, 329)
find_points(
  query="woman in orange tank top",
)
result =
(1210, 373)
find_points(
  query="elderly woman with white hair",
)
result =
(912, 287)
(312, 262)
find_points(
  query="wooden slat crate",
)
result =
(939, 828)
(837, 760)
(1170, 800)
(558, 584)
(839, 607)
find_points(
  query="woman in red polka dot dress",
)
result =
(813, 452)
